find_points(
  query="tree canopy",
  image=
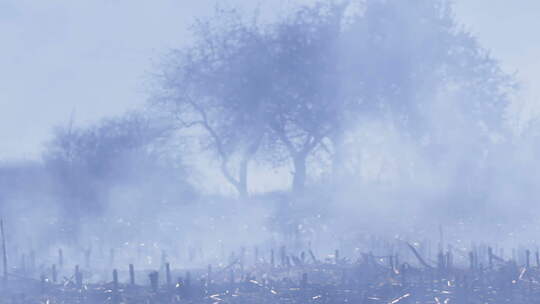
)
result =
(298, 84)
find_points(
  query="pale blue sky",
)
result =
(90, 57)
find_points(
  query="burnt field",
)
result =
(408, 273)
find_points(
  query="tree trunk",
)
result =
(242, 178)
(299, 177)
(338, 159)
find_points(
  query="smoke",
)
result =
(436, 147)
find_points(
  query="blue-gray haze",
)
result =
(109, 120)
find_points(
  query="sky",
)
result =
(89, 59)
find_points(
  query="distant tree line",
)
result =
(290, 92)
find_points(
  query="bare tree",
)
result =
(217, 88)
(299, 84)
(87, 163)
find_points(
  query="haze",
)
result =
(90, 59)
